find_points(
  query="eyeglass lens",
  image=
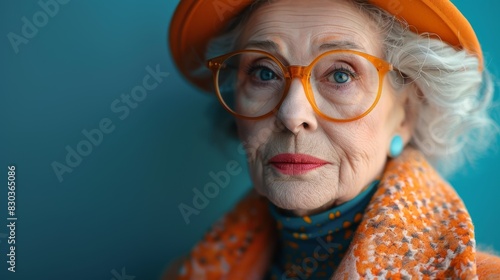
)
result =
(343, 85)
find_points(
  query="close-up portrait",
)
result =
(250, 140)
(351, 114)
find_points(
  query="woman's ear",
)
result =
(406, 98)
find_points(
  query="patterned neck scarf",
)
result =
(311, 247)
(414, 227)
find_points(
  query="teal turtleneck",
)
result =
(311, 247)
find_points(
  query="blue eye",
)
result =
(341, 77)
(265, 74)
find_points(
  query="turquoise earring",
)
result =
(396, 146)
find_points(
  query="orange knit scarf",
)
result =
(415, 225)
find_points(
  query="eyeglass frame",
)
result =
(303, 73)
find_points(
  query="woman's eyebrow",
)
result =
(266, 45)
(334, 45)
(340, 45)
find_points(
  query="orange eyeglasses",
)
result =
(340, 85)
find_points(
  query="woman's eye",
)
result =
(341, 77)
(264, 74)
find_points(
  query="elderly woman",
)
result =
(346, 109)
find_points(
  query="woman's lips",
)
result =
(295, 164)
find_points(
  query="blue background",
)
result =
(118, 209)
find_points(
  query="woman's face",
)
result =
(346, 156)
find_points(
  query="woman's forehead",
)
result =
(312, 27)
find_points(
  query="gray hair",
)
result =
(453, 96)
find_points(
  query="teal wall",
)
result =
(116, 213)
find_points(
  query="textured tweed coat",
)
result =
(415, 227)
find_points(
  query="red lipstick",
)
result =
(295, 164)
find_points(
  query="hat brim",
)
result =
(195, 22)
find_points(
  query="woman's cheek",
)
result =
(253, 135)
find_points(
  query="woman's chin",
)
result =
(297, 198)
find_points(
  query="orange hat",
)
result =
(195, 22)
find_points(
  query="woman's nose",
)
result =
(296, 113)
